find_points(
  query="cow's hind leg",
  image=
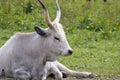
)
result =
(21, 73)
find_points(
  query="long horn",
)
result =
(57, 19)
(47, 17)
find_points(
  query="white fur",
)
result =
(58, 69)
(31, 50)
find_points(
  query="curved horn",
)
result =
(47, 17)
(57, 19)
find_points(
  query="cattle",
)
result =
(59, 71)
(24, 55)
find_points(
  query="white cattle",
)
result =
(59, 71)
(24, 55)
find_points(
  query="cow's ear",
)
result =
(40, 31)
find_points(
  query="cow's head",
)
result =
(55, 40)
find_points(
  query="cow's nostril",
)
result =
(70, 52)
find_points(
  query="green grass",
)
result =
(92, 29)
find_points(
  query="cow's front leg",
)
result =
(21, 73)
(83, 75)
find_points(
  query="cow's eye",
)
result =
(56, 38)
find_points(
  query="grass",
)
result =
(92, 29)
(100, 57)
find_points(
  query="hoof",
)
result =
(86, 75)
(92, 75)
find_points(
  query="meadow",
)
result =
(92, 29)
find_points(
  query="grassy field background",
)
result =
(92, 29)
